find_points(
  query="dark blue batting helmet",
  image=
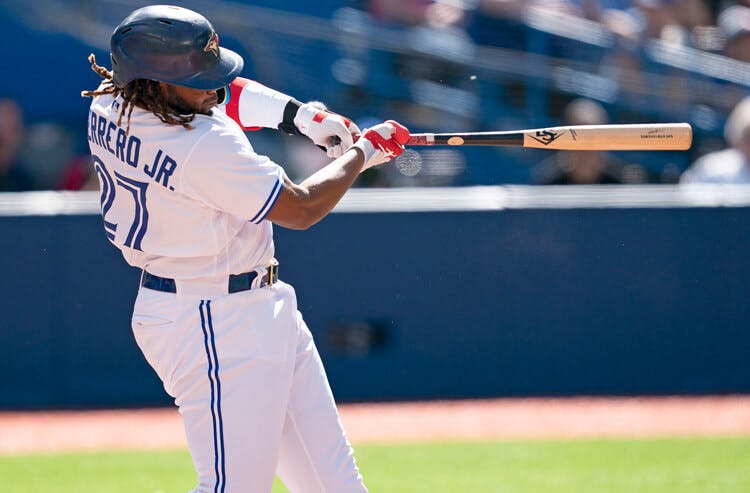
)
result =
(173, 45)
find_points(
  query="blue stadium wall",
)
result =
(419, 305)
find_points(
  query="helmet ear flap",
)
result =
(224, 95)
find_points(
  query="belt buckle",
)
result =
(273, 272)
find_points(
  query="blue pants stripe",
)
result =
(213, 377)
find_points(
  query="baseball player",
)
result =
(188, 201)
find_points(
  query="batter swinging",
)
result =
(188, 201)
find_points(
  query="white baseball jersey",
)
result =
(188, 204)
(243, 368)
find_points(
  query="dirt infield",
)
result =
(404, 422)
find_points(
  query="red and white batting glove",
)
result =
(329, 130)
(382, 143)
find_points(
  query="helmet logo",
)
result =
(213, 44)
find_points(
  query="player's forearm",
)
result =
(301, 206)
(253, 105)
(330, 183)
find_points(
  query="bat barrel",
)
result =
(637, 137)
(650, 137)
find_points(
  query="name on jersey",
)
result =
(127, 148)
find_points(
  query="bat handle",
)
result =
(332, 141)
(421, 140)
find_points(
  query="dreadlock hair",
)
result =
(139, 92)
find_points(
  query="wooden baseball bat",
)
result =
(646, 137)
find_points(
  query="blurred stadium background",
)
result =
(459, 276)
(438, 66)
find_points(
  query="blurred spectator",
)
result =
(670, 20)
(586, 167)
(734, 23)
(656, 19)
(50, 151)
(691, 13)
(78, 174)
(416, 12)
(406, 12)
(13, 178)
(731, 165)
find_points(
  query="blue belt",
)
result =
(235, 283)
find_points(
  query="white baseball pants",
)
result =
(251, 389)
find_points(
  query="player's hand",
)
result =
(329, 130)
(382, 143)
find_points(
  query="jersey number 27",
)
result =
(137, 189)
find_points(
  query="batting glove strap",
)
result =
(382, 143)
(287, 122)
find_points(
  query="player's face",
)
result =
(186, 100)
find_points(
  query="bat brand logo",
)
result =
(546, 137)
(213, 44)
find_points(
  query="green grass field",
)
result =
(602, 466)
